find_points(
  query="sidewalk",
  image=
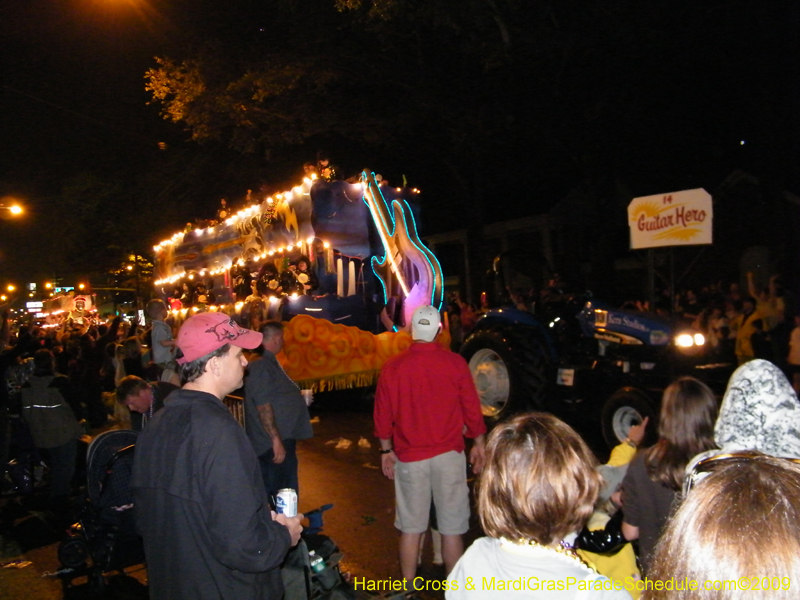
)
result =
(30, 532)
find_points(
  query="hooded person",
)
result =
(760, 411)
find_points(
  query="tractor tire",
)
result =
(510, 371)
(627, 406)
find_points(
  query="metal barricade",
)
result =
(235, 404)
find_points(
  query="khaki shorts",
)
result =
(444, 478)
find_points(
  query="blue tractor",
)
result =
(581, 354)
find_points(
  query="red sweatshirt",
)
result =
(424, 399)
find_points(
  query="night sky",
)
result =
(629, 98)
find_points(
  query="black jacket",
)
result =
(201, 506)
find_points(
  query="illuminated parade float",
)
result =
(338, 262)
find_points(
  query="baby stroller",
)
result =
(104, 538)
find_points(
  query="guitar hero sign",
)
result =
(675, 219)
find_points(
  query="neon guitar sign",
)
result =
(422, 284)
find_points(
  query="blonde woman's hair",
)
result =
(539, 482)
(740, 521)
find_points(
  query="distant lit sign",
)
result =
(31, 287)
(36, 305)
(64, 289)
(675, 219)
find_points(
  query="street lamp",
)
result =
(14, 209)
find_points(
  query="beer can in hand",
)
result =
(286, 502)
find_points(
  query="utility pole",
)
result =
(138, 290)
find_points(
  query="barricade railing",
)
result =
(235, 404)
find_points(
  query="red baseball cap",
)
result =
(202, 334)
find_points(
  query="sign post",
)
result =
(676, 219)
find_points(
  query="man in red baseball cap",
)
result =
(201, 505)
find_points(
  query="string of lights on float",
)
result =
(266, 210)
(268, 207)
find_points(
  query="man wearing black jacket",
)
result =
(200, 501)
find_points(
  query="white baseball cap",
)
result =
(425, 324)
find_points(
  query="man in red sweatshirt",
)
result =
(425, 404)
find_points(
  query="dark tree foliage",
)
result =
(501, 108)
(486, 93)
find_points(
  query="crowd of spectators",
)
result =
(88, 362)
(711, 506)
(738, 325)
(541, 483)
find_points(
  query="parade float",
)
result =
(64, 308)
(340, 263)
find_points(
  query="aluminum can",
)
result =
(286, 502)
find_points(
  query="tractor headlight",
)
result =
(687, 341)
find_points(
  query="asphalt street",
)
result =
(339, 466)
